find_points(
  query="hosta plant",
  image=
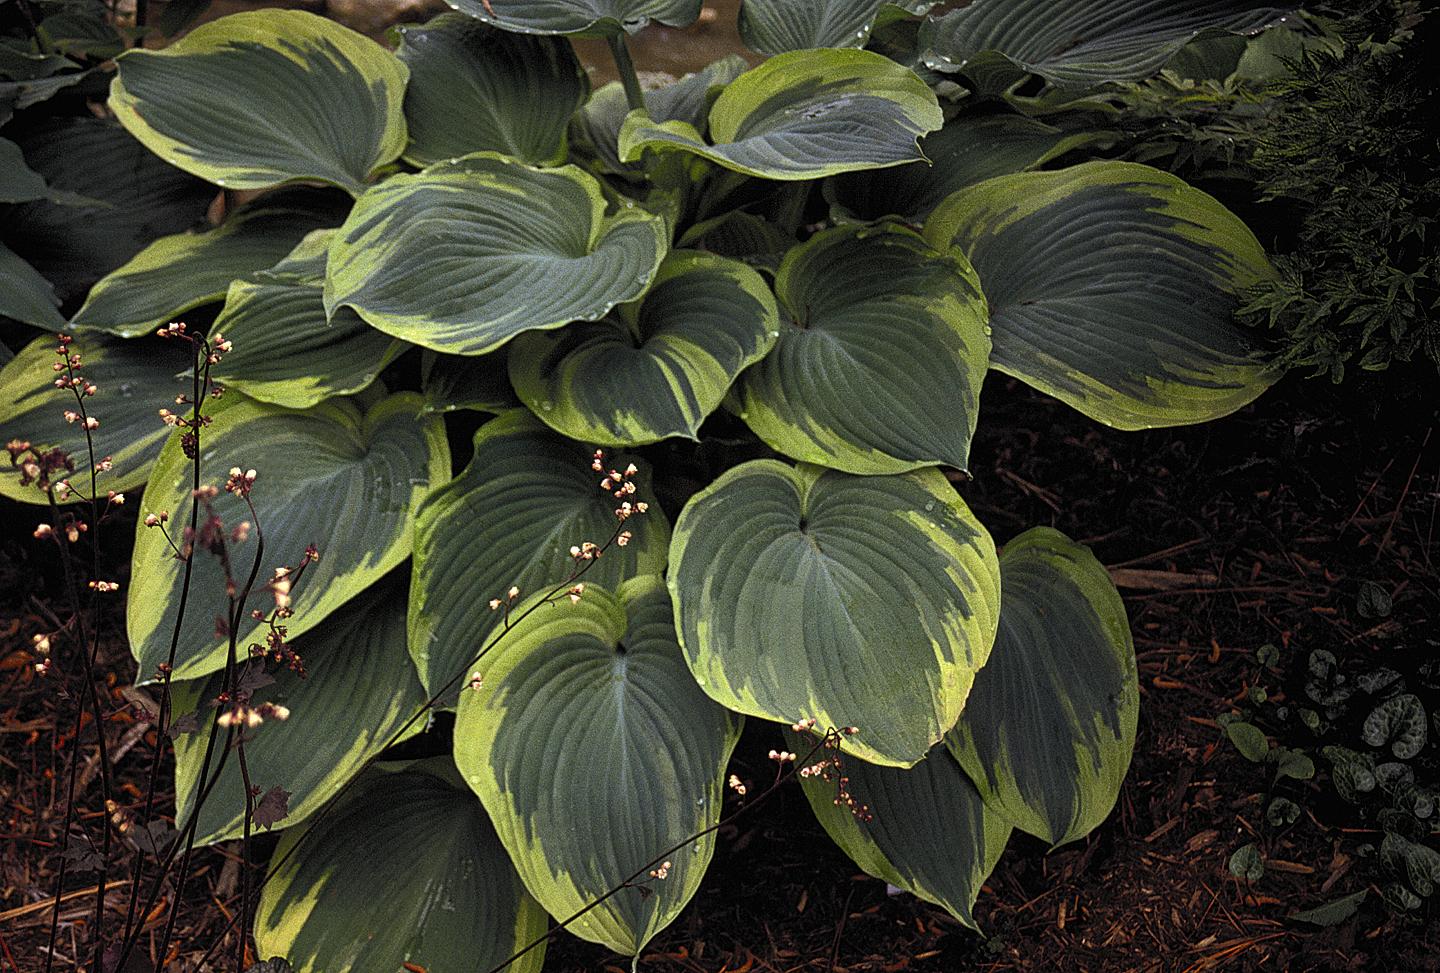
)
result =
(747, 313)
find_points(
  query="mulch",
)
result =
(1256, 528)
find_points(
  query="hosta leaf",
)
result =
(655, 368)
(1111, 286)
(595, 753)
(130, 198)
(882, 374)
(589, 17)
(358, 692)
(929, 832)
(1083, 42)
(265, 97)
(686, 100)
(969, 149)
(134, 380)
(329, 476)
(18, 182)
(777, 26)
(406, 869)
(864, 601)
(474, 88)
(26, 296)
(1050, 724)
(804, 115)
(467, 254)
(477, 382)
(183, 271)
(511, 518)
(285, 351)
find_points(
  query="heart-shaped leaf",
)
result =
(134, 379)
(25, 296)
(1083, 42)
(114, 198)
(285, 350)
(864, 601)
(510, 519)
(481, 383)
(881, 375)
(969, 149)
(777, 26)
(1050, 724)
(657, 367)
(634, 754)
(588, 17)
(265, 97)
(405, 869)
(510, 93)
(462, 257)
(804, 115)
(686, 100)
(183, 271)
(359, 690)
(1400, 722)
(331, 476)
(924, 829)
(1111, 287)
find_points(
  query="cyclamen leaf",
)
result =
(510, 519)
(804, 115)
(1112, 287)
(515, 94)
(1249, 740)
(864, 601)
(908, 320)
(462, 257)
(1399, 722)
(633, 755)
(591, 18)
(655, 368)
(1049, 728)
(331, 476)
(260, 98)
(405, 869)
(134, 378)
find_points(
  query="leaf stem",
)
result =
(634, 96)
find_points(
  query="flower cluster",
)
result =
(208, 352)
(831, 768)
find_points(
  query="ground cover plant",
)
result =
(731, 331)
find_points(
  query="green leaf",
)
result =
(331, 476)
(358, 692)
(1294, 764)
(657, 367)
(180, 272)
(1246, 863)
(511, 518)
(1082, 42)
(1049, 727)
(1334, 912)
(116, 197)
(1249, 739)
(1373, 601)
(929, 831)
(880, 358)
(593, 18)
(1281, 812)
(406, 868)
(285, 350)
(481, 383)
(804, 115)
(1418, 863)
(134, 380)
(687, 100)
(462, 257)
(864, 601)
(474, 88)
(1111, 286)
(25, 296)
(18, 182)
(266, 97)
(777, 26)
(969, 149)
(1400, 723)
(595, 753)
